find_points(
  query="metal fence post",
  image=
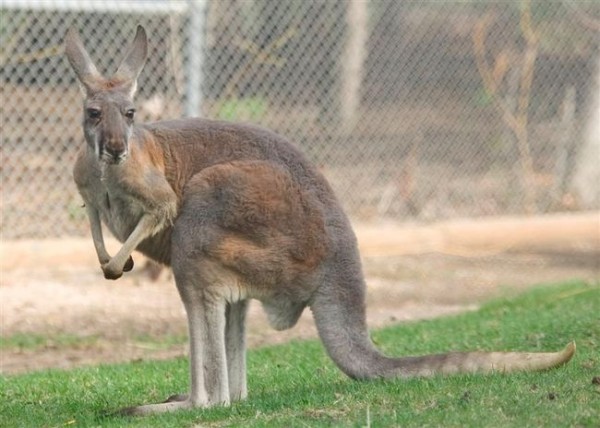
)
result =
(195, 57)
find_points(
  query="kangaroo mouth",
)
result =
(111, 159)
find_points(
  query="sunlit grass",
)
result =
(297, 385)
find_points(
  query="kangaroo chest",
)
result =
(119, 211)
(108, 193)
(123, 194)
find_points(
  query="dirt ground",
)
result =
(55, 290)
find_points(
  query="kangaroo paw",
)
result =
(128, 265)
(111, 272)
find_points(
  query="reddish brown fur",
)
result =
(269, 221)
(238, 213)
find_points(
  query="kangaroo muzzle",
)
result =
(114, 152)
(114, 139)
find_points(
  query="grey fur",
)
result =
(239, 214)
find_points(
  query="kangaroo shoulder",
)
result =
(84, 170)
(147, 150)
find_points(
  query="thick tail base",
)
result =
(339, 311)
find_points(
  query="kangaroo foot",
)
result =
(176, 397)
(150, 409)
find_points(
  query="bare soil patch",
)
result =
(55, 290)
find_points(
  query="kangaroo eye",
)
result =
(94, 113)
(130, 113)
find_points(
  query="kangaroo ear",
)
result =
(134, 60)
(80, 60)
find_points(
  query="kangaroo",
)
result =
(238, 213)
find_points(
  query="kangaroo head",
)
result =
(108, 109)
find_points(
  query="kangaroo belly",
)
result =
(158, 247)
(121, 215)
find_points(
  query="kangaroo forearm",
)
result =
(122, 261)
(144, 229)
(97, 236)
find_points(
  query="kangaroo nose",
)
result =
(115, 155)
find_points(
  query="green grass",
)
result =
(296, 385)
(36, 341)
(33, 342)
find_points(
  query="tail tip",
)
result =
(567, 353)
(570, 349)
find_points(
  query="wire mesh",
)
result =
(414, 110)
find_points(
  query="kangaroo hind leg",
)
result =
(235, 344)
(205, 307)
(206, 311)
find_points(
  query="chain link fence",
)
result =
(414, 110)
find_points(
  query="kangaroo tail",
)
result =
(340, 318)
(477, 362)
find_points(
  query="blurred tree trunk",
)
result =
(354, 56)
(586, 180)
(512, 101)
(564, 155)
